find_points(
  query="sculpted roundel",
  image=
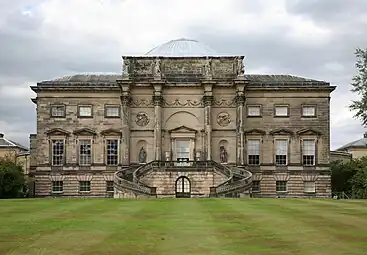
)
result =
(142, 119)
(223, 119)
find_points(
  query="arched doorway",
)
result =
(183, 187)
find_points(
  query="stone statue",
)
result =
(223, 155)
(142, 155)
(125, 71)
(208, 67)
(157, 67)
(240, 67)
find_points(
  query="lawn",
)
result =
(183, 226)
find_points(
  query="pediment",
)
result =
(111, 132)
(308, 131)
(255, 131)
(57, 131)
(85, 132)
(182, 129)
(281, 131)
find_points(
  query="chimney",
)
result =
(365, 135)
(1, 135)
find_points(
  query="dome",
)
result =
(182, 48)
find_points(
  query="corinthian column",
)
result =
(125, 116)
(158, 102)
(240, 103)
(208, 101)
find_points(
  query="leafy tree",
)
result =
(12, 181)
(359, 84)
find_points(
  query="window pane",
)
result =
(112, 152)
(281, 111)
(58, 111)
(57, 186)
(281, 186)
(109, 186)
(85, 111)
(308, 111)
(113, 111)
(84, 186)
(253, 147)
(253, 111)
(57, 152)
(281, 147)
(85, 152)
(308, 147)
(256, 186)
(309, 186)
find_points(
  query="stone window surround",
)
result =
(282, 106)
(183, 135)
(253, 106)
(309, 116)
(106, 106)
(52, 106)
(85, 105)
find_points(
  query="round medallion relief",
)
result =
(142, 119)
(223, 119)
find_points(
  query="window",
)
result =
(85, 152)
(281, 152)
(58, 111)
(254, 110)
(253, 152)
(310, 187)
(57, 187)
(308, 152)
(58, 151)
(281, 111)
(255, 186)
(84, 111)
(112, 152)
(281, 186)
(112, 111)
(109, 186)
(308, 111)
(84, 186)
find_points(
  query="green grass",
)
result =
(183, 226)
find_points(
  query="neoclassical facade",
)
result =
(182, 121)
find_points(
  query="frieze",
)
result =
(142, 103)
(225, 102)
(187, 103)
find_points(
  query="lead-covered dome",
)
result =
(182, 48)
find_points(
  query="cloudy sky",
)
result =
(44, 39)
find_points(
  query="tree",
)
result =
(359, 84)
(12, 181)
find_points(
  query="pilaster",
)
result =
(240, 103)
(208, 100)
(125, 122)
(158, 102)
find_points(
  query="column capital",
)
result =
(208, 100)
(158, 100)
(126, 100)
(240, 100)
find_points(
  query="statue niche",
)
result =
(223, 155)
(142, 156)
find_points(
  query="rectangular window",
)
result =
(109, 186)
(308, 152)
(255, 186)
(254, 110)
(112, 111)
(58, 111)
(84, 111)
(309, 187)
(281, 111)
(84, 186)
(308, 111)
(281, 152)
(57, 151)
(281, 186)
(253, 152)
(57, 187)
(112, 152)
(85, 152)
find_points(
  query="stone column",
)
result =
(240, 103)
(158, 102)
(208, 101)
(125, 117)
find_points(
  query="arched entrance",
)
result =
(183, 187)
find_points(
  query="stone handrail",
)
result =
(120, 184)
(223, 169)
(244, 183)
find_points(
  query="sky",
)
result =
(45, 39)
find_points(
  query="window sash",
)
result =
(308, 111)
(109, 186)
(112, 152)
(58, 111)
(281, 111)
(309, 186)
(85, 152)
(85, 111)
(281, 147)
(253, 147)
(253, 111)
(281, 186)
(308, 147)
(84, 186)
(57, 186)
(112, 111)
(57, 152)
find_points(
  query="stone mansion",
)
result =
(181, 121)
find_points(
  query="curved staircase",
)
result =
(128, 180)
